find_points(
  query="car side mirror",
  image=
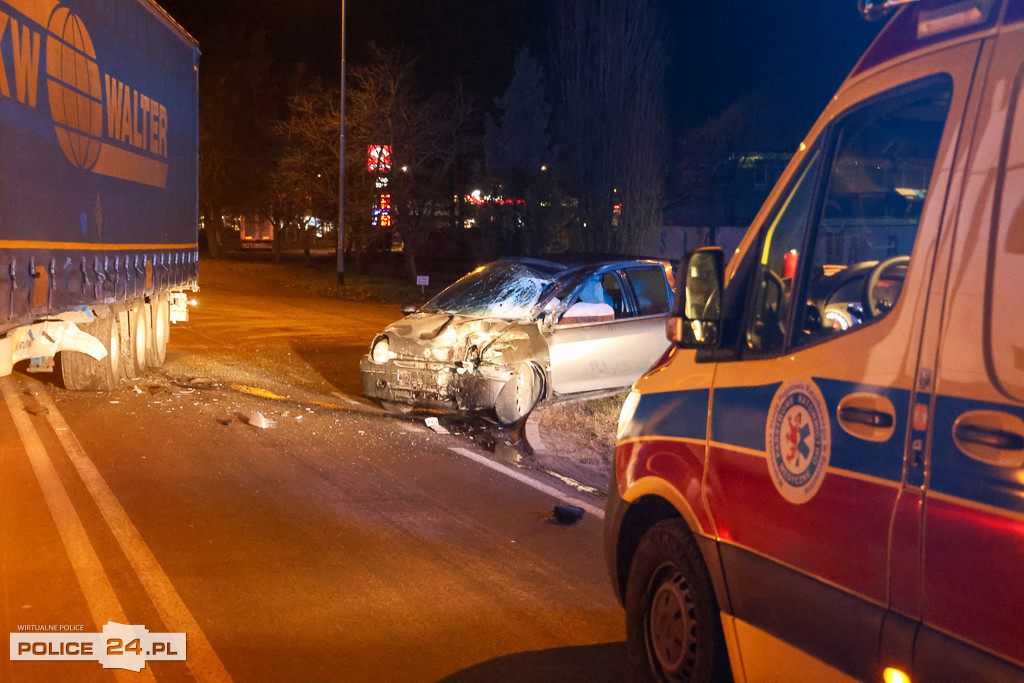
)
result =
(697, 320)
(410, 308)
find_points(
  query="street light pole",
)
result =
(341, 173)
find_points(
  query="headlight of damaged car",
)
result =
(380, 352)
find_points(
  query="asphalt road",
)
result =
(341, 543)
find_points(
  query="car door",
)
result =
(973, 548)
(606, 354)
(809, 416)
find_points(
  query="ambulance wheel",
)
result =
(82, 372)
(159, 331)
(673, 631)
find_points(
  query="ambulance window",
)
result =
(875, 191)
(775, 272)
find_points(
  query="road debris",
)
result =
(433, 423)
(567, 515)
(259, 421)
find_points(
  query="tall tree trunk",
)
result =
(278, 240)
(214, 227)
(308, 258)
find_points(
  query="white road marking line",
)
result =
(99, 593)
(529, 481)
(202, 660)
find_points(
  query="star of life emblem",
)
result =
(798, 440)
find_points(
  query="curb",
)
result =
(532, 435)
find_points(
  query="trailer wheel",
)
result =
(124, 364)
(159, 331)
(82, 372)
(134, 345)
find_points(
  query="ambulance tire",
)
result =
(82, 372)
(673, 631)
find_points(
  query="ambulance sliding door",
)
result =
(973, 590)
(806, 467)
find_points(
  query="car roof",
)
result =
(559, 264)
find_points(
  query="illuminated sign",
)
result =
(378, 158)
(381, 215)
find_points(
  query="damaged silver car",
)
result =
(516, 332)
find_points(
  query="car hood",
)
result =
(446, 335)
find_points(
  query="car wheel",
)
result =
(673, 629)
(519, 395)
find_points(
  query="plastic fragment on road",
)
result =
(258, 420)
(434, 424)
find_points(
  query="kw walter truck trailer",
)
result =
(98, 186)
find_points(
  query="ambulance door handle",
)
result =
(867, 416)
(872, 418)
(991, 437)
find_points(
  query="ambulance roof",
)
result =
(930, 22)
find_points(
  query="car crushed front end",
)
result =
(448, 362)
(477, 346)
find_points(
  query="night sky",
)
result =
(796, 52)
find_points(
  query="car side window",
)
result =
(649, 289)
(591, 303)
(843, 238)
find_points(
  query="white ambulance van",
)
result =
(823, 479)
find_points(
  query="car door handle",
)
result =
(867, 416)
(991, 437)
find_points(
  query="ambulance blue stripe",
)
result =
(740, 415)
(958, 475)
(857, 455)
(673, 414)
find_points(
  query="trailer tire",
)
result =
(82, 372)
(159, 331)
(135, 344)
(124, 363)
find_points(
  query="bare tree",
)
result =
(305, 182)
(238, 88)
(427, 135)
(609, 62)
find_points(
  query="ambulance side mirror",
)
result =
(697, 320)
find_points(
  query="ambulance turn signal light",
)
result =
(893, 675)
